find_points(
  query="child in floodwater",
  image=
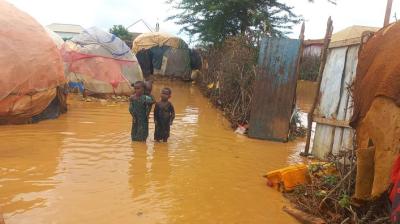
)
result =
(164, 115)
(138, 107)
(147, 91)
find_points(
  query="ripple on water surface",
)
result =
(83, 168)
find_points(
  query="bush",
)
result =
(309, 67)
(227, 77)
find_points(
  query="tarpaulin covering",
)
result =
(31, 65)
(102, 62)
(149, 40)
(170, 55)
(378, 71)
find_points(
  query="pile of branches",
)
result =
(227, 77)
(328, 194)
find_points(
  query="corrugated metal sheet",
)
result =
(335, 102)
(274, 90)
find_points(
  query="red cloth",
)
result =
(395, 192)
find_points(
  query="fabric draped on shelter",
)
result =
(149, 40)
(31, 65)
(170, 56)
(101, 62)
(378, 71)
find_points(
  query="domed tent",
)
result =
(31, 67)
(101, 63)
(376, 116)
(164, 54)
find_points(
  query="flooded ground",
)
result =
(305, 95)
(83, 168)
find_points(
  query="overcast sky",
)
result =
(105, 13)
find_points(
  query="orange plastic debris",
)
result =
(288, 178)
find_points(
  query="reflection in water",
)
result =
(83, 168)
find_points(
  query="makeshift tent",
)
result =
(377, 111)
(31, 67)
(334, 108)
(100, 63)
(163, 54)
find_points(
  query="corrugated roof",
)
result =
(66, 28)
(350, 36)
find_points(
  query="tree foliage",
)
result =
(214, 20)
(123, 33)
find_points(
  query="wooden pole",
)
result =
(301, 37)
(324, 55)
(388, 12)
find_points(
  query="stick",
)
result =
(299, 58)
(302, 216)
(388, 12)
(336, 187)
(327, 40)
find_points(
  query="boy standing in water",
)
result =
(138, 107)
(147, 91)
(164, 115)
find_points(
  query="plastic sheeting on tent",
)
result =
(101, 63)
(31, 66)
(149, 40)
(350, 36)
(163, 54)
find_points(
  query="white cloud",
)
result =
(105, 13)
(100, 13)
(346, 13)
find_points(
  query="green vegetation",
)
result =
(212, 21)
(309, 67)
(121, 32)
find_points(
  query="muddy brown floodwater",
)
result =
(83, 168)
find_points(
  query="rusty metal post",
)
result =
(388, 12)
(324, 55)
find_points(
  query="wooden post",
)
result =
(388, 12)
(299, 59)
(327, 40)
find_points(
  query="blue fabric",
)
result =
(158, 53)
(78, 85)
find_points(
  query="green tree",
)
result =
(214, 20)
(121, 32)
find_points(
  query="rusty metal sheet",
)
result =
(335, 102)
(274, 89)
